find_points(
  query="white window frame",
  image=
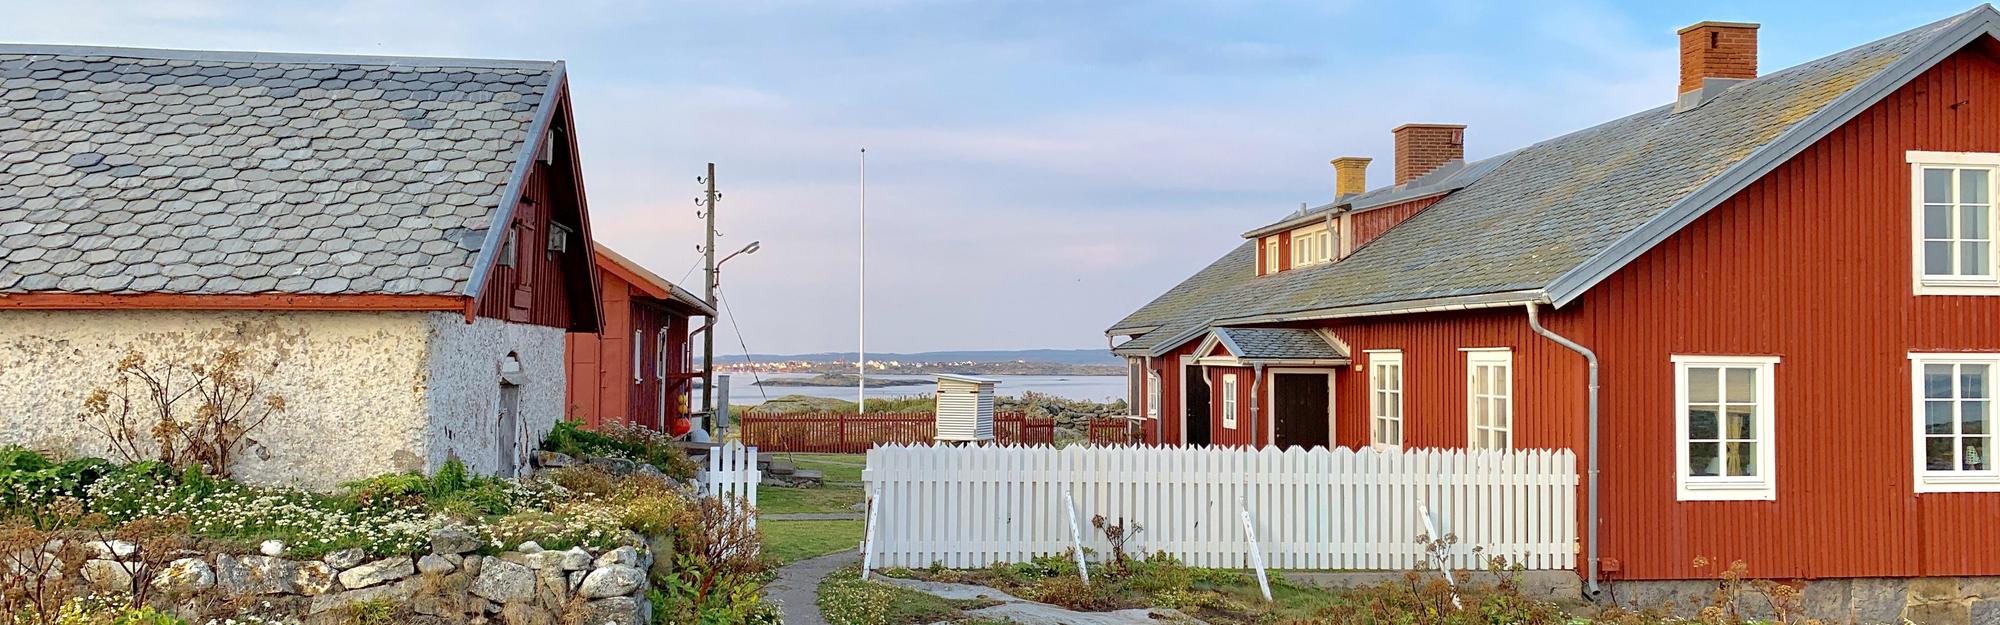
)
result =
(1379, 408)
(1311, 245)
(1271, 255)
(1763, 486)
(1152, 395)
(660, 356)
(1960, 481)
(1229, 401)
(1953, 285)
(638, 352)
(1475, 358)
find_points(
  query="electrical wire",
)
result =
(724, 299)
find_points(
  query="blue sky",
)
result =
(1036, 169)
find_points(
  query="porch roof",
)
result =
(1280, 345)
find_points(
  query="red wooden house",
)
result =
(637, 370)
(1764, 312)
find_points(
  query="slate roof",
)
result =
(1279, 344)
(1555, 208)
(163, 171)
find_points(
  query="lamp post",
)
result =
(708, 370)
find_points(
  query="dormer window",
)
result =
(1270, 255)
(1312, 246)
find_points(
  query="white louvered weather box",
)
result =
(965, 408)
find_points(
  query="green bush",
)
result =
(28, 478)
(452, 491)
(632, 443)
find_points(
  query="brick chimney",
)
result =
(1422, 148)
(1350, 175)
(1717, 50)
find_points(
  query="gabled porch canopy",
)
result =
(1235, 347)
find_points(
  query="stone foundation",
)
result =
(1922, 600)
(450, 585)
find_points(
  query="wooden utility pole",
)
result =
(708, 338)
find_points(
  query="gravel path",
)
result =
(1020, 611)
(796, 590)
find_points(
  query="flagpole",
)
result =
(861, 326)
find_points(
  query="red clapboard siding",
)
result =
(1372, 223)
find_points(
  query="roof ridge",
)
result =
(231, 56)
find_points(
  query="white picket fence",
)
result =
(974, 505)
(732, 474)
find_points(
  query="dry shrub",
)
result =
(32, 566)
(1075, 594)
(183, 414)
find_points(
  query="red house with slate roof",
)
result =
(1766, 313)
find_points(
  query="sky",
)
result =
(1036, 170)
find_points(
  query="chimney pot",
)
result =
(1422, 148)
(1717, 50)
(1350, 175)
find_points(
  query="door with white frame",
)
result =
(1301, 407)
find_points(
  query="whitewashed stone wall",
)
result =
(463, 394)
(368, 393)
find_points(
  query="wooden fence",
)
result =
(1318, 509)
(1109, 431)
(849, 433)
(731, 474)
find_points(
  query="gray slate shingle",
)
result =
(1543, 211)
(1281, 344)
(144, 162)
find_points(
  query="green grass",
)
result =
(844, 469)
(845, 599)
(791, 541)
(776, 500)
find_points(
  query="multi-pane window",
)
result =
(1953, 401)
(1724, 427)
(1229, 401)
(1385, 401)
(1311, 246)
(1271, 255)
(1489, 398)
(1953, 222)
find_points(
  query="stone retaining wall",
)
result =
(1923, 600)
(452, 584)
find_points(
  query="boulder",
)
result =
(185, 576)
(575, 559)
(256, 575)
(626, 556)
(345, 558)
(433, 564)
(314, 578)
(399, 592)
(614, 611)
(614, 466)
(107, 575)
(530, 547)
(111, 549)
(539, 560)
(454, 539)
(502, 582)
(378, 572)
(612, 581)
(553, 460)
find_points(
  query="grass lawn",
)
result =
(791, 541)
(842, 468)
(778, 500)
(847, 600)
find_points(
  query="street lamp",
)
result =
(708, 339)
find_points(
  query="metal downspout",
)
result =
(1256, 378)
(1535, 321)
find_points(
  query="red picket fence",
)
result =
(849, 433)
(1116, 431)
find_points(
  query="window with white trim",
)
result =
(1135, 382)
(1724, 427)
(1229, 401)
(1952, 402)
(1271, 255)
(660, 356)
(638, 350)
(1153, 395)
(1489, 398)
(1953, 222)
(1311, 246)
(1385, 399)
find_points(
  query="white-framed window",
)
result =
(1724, 427)
(1952, 222)
(1385, 399)
(1312, 245)
(638, 351)
(1952, 412)
(1489, 398)
(1229, 401)
(1135, 384)
(1271, 255)
(660, 356)
(1152, 395)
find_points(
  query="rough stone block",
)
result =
(504, 582)
(377, 572)
(612, 581)
(1939, 614)
(1879, 600)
